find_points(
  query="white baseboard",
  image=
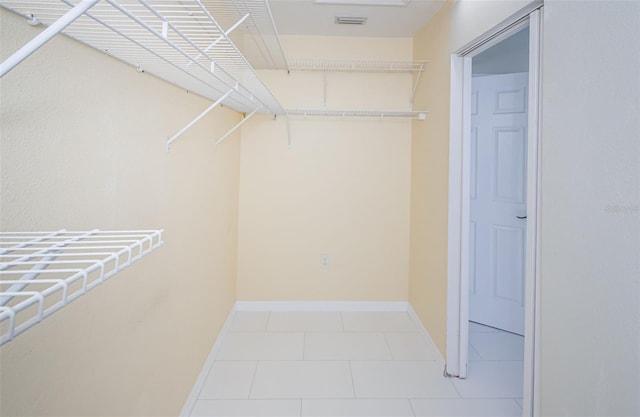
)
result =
(414, 316)
(197, 387)
(322, 306)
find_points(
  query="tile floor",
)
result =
(355, 364)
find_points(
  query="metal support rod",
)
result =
(324, 91)
(415, 88)
(220, 38)
(29, 243)
(275, 30)
(237, 126)
(200, 116)
(17, 287)
(288, 131)
(46, 35)
(49, 249)
(42, 265)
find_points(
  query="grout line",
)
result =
(353, 382)
(339, 360)
(388, 347)
(266, 329)
(253, 380)
(454, 386)
(336, 331)
(475, 350)
(411, 406)
(300, 407)
(362, 398)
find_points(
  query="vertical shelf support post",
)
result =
(46, 35)
(288, 130)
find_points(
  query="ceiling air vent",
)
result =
(343, 20)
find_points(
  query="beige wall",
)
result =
(83, 147)
(590, 257)
(455, 25)
(342, 190)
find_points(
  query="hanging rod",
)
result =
(42, 272)
(345, 65)
(376, 114)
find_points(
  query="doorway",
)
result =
(498, 184)
(493, 198)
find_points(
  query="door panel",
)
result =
(511, 101)
(507, 263)
(498, 196)
(509, 160)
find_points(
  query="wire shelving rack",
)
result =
(42, 272)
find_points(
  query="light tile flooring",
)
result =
(355, 364)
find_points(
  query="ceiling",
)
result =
(303, 17)
(507, 57)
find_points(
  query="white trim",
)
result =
(322, 306)
(455, 217)
(197, 387)
(459, 156)
(477, 44)
(531, 398)
(425, 334)
(458, 244)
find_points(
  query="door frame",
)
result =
(459, 202)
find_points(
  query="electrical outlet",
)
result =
(324, 261)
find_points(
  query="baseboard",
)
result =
(197, 387)
(414, 316)
(322, 306)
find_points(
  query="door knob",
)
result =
(521, 217)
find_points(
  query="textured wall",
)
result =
(82, 147)
(590, 247)
(342, 190)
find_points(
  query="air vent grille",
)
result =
(344, 20)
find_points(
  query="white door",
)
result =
(498, 200)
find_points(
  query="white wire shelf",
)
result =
(257, 37)
(42, 272)
(345, 65)
(371, 114)
(179, 41)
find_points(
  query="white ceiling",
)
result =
(507, 57)
(303, 17)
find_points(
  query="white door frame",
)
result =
(459, 202)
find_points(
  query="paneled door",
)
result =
(498, 200)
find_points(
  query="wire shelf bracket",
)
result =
(42, 272)
(233, 129)
(200, 116)
(58, 26)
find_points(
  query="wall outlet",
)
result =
(324, 261)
